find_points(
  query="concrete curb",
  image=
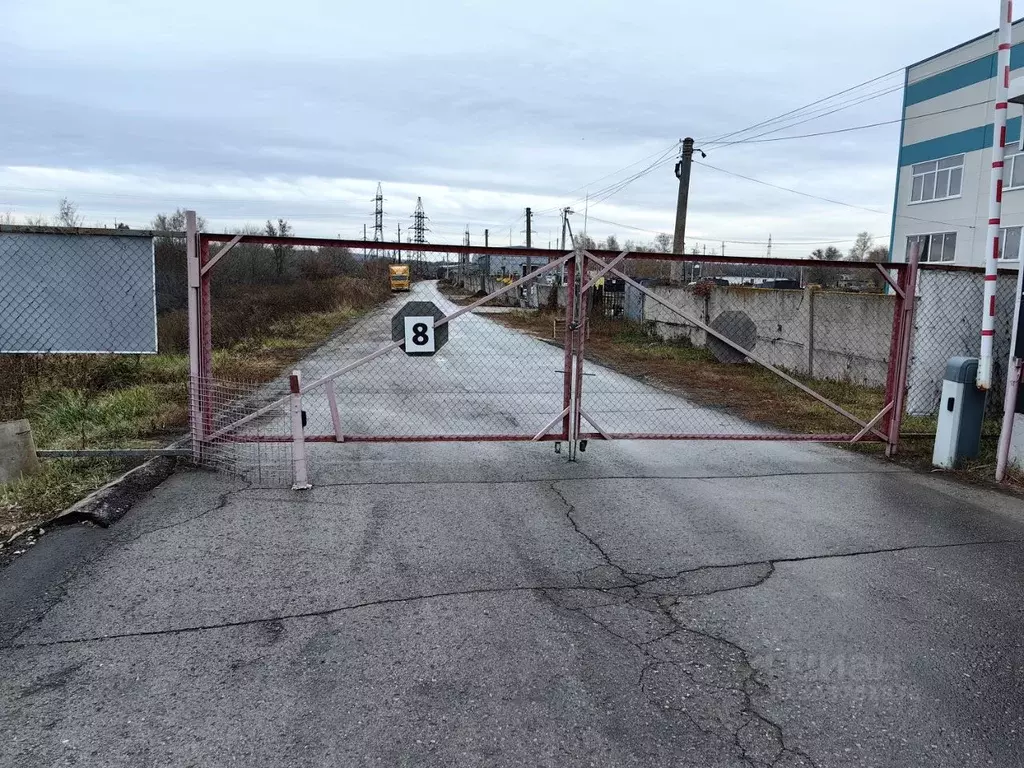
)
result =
(108, 504)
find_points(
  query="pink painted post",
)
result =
(895, 342)
(995, 202)
(903, 365)
(195, 343)
(206, 336)
(581, 335)
(570, 336)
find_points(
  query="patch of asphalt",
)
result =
(103, 507)
(705, 679)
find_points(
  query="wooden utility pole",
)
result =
(683, 174)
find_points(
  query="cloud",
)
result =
(248, 111)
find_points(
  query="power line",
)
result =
(825, 199)
(769, 121)
(851, 128)
(711, 239)
(664, 157)
(825, 112)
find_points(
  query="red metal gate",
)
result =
(491, 382)
(612, 405)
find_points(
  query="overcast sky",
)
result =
(246, 110)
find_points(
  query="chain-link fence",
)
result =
(756, 350)
(947, 324)
(78, 333)
(483, 381)
(580, 349)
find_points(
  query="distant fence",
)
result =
(825, 335)
(842, 336)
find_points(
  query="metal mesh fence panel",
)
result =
(63, 292)
(245, 430)
(947, 324)
(486, 380)
(661, 370)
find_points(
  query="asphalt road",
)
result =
(653, 604)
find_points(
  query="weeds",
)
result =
(137, 401)
(58, 485)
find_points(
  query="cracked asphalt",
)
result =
(653, 604)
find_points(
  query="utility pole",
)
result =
(462, 260)
(378, 219)
(529, 238)
(565, 223)
(683, 174)
(485, 272)
(398, 251)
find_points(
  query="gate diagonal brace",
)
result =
(555, 263)
(550, 424)
(604, 435)
(746, 353)
(590, 283)
(860, 435)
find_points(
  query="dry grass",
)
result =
(141, 401)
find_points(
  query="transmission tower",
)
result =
(419, 223)
(378, 220)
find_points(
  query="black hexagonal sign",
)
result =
(414, 324)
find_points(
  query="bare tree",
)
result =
(175, 222)
(6, 218)
(611, 243)
(584, 241)
(67, 214)
(861, 247)
(663, 243)
(281, 251)
(880, 255)
(824, 276)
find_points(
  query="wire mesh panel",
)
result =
(64, 292)
(244, 430)
(486, 382)
(806, 360)
(947, 324)
(482, 381)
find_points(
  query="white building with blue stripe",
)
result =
(942, 183)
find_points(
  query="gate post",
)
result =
(300, 476)
(899, 364)
(582, 297)
(570, 350)
(195, 340)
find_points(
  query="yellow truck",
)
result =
(398, 275)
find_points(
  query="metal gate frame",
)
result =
(890, 415)
(202, 416)
(575, 425)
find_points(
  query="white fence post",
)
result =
(300, 475)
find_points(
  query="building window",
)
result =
(1009, 243)
(1014, 178)
(938, 179)
(938, 247)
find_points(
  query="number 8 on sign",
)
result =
(419, 334)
